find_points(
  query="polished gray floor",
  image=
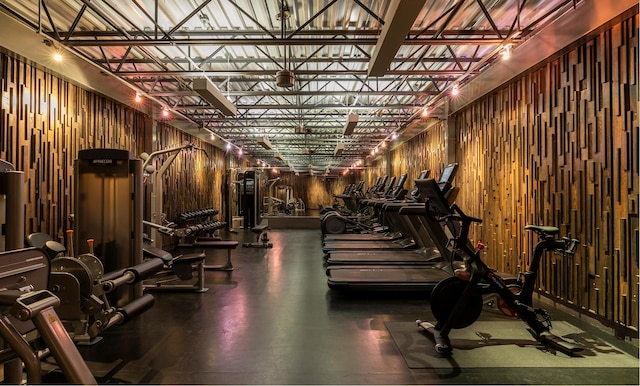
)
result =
(273, 320)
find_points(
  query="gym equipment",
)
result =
(262, 238)
(186, 270)
(364, 215)
(364, 270)
(249, 193)
(457, 301)
(82, 286)
(108, 208)
(157, 216)
(389, 233)
(12, 227)
(407, 242)
(28, 316)
(201, 236)
(11, 207)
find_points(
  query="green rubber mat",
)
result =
(504, 344)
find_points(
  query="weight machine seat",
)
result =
(46, 243)
(213, 244)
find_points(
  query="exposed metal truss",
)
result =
(159, 47)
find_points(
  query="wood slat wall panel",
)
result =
(558, 146)
(46, 121)
(426, 151)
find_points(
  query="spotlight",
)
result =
(228, 146)
(506, 52)
(138, 98)
(239, 152)
(454, 90)
(425, 112)
(394, 135)
(165, 112)
(57, 57)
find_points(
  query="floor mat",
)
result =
(503, 344)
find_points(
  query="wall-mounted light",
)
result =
(57, 57)
(240, 152)
(228, 146)
(425, 112)
(506, 52)
(455, 90)
(165, 112)
(394, 135)
(138, 97)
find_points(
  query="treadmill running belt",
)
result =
(386, 278)
(423, 256)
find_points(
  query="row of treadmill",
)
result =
(406, 247)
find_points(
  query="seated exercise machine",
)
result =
(28, 319)
(82, 286)
(185, 270)
(457, 301)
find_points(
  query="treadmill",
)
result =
(335, 222)
(405, 277)
(390, 234)
(414, 219)
(408, 242)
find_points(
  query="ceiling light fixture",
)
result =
(264, 142)
(352, 121)
(210, 93)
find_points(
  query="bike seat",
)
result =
(548, 230)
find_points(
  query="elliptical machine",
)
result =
(457, 302)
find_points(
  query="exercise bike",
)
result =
(457, 302)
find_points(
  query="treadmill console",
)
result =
(447, 176)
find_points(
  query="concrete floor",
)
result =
(273, 320)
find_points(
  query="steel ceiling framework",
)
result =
(159, 46)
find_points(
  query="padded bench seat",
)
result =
(217, 244)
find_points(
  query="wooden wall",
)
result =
(559, 146)
(315, 191)
(425, 151)
(47, 120)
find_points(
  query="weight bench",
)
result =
(178, 271)
(229, 245)
(262, 238)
